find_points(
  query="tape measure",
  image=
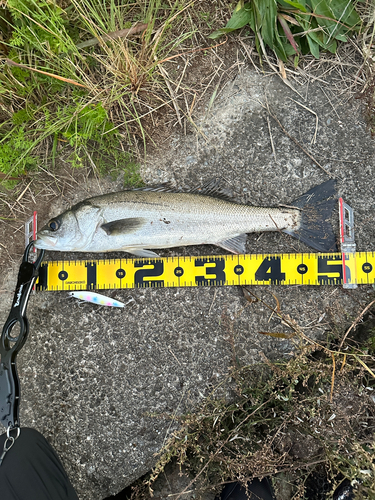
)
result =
(218, 270)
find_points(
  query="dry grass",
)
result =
(292, 421)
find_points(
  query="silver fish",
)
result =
(137, 221)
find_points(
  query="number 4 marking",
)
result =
(270, 270)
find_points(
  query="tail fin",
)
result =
(316, 208)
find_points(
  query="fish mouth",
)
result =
(45, 242)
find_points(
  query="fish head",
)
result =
(72, 231)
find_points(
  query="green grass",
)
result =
(58, 89)
(67, 84)
(291, 28)
(15, 157)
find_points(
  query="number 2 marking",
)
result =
(139, 276)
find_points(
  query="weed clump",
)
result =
(81, 75)
(307, 422)
(15, 157)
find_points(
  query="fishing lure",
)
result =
(96, 298)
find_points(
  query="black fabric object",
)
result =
(31, 470)
(256, 490)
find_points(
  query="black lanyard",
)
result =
(11, 344)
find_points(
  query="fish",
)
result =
(96, 298)
(140, 221)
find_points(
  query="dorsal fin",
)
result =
(213, 187)
(166, 187)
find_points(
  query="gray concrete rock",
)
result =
(104, 385)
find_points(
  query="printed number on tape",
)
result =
(280, 269)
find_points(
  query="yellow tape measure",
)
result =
(217, 270)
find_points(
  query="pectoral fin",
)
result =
(123, 226)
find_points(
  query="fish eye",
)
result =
(54, 225)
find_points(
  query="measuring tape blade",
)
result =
(217, 270)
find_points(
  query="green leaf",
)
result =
(239, 6)
(314, 46)
(296, 5)
(314, 36)
(341, 38)
(321, 8)
(240, 17)
(344, 12)
(238, 20)
(256, 19)
(279, 49)
(332, 47)
(328, 42)
(22, 116)
(268, 12)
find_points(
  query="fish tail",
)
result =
(316, 209)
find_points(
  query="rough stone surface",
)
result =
(102, 384)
